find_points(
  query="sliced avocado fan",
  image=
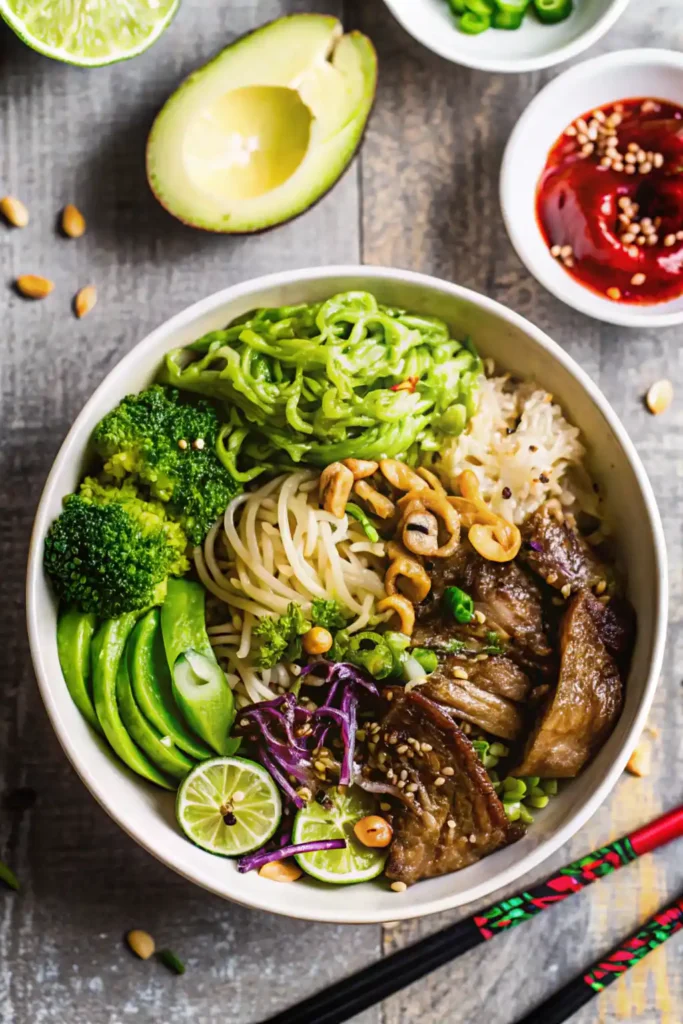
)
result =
(260, 133)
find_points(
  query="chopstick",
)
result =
(560, 1006)
(380, 980)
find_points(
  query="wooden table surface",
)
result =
(422, 195)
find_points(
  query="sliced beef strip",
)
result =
(438, 828)
(503, 592)
(496, 674)
(490, 712)
(556, 551)
(584, 707)
(616, 625)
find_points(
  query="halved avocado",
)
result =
(260, 133)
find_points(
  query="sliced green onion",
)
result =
(369, 651)
(474, 24)
(539, 801)
(460, 604)
(427, 659)
(482, 8)
(458, 6)
(508, 20)
(499, 750)
(549, 787)
(550, 12)
(356, 512)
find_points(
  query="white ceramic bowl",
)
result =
(607, 79)
(146, 813)
(531, 47)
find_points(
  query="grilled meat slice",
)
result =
(504, 593)
(557, 552)
(450, 815)
(586, 704)
(616, 625)
(497, 675)
(490, 712)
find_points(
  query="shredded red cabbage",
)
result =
(276, 726)
(254, 861)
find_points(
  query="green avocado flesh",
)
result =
(261, 132)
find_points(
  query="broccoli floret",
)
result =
(111, 552)
(327, 613)
(169, 445)
(281, 637)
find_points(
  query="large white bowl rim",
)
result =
(143, 811)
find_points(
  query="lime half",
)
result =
(88, 32)
(229, 806)
(356, 863)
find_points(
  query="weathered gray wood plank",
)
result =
(430, 178)
(70, 135)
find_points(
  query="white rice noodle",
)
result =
(518, 442)
(275, 546)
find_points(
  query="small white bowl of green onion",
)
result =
(507, 35)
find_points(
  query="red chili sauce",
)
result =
(610, 201)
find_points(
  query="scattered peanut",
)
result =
(373, 831)
(84, 300)
(640, 762)
(659, 397)
(73, 222)
(33, 286)
(141, 943)
(14, 211)
(317, 640)
(281, 871)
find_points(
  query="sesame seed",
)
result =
(624, 203)
(614, 294)
(571, 131)
(646, 167)
(669, 240)
(440, 781)
(401, 783)
(460, 673)
(566, 590)
(606, 161)
(451, 823)
(182, 444)
(566, 251)
(601, 587)
(633, 252)
(555, 251)
(480, 617)
(402, 749)
(426, 747)
(412, 788)
(384, 806)
(628, 237)
(388, 695)
(399, 886)
(588, 148)
(198, 443)
(582, 138)
(679, 236)
(638, 279)
(448, 770)
(404, 774)
(658, 160)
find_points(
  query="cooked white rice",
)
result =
(519, 443)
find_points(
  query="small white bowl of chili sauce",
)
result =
(592, 187)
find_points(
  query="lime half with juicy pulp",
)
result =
(335, 820)
(88, 33)
(229, 806)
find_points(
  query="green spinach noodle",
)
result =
(343, 378)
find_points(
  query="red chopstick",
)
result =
(580, 990)
(380, 980)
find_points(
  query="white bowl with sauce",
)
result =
(147, 814)
(614, 77)
(529, 48)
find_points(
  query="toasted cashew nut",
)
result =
(361, 467)
(416, 582)
(335, 486)
(401, 476)
(493, 544)
(431, 501)
(420, 532)
(379, 503)
(403, 608)
(433, 480)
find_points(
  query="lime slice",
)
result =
(357, 863)
(88, 32)
(229, 806)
